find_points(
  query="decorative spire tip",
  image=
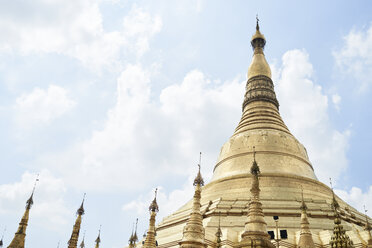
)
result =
(98, 240)
(199, 179)
(303, 205)
(254, 153)
(154, 205)
(30, 200)
(255, 170)
(81, 210)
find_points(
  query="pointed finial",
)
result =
(199, 179)
(81, 210)
(154, 205)
(135, 238)
(99, 230)
(37, 180)
(302, 193)
(98, 240)
(200, 155)
(368, 227)
(30, 200)
(254, 153)
(303, 205)
(335, 205)
(132, 229)
(365, 212)
(255, 170)
(257, 20)
(333, 193)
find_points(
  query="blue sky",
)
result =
(114, 98)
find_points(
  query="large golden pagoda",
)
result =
(288, 187)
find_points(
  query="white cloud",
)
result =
(357, 198)
(49, 208)
(304, 108)
(140, 26)
(153, 137)
(42, 106)
(75, 30)
(355, 58)
(336, 99)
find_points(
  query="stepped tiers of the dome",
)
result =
(285, 170)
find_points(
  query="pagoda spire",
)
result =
(259, 86)
(339, 238)
(150, 241)
(255, 233)
(193, 232)
(72, 243)
(133, 238)
(368, 228)
(98, 239)
(306, 239)
(19, 237)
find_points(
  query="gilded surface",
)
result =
(73, 241)
(306, 239)
(339, 237)
(255, 228)
(20, 236)
(193, 232)
(150, 241)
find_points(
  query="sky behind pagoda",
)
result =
(115, 98)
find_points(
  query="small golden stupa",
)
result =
(73, 241)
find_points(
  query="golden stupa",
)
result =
(288, 190)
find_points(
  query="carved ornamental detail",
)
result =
(260, 88)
